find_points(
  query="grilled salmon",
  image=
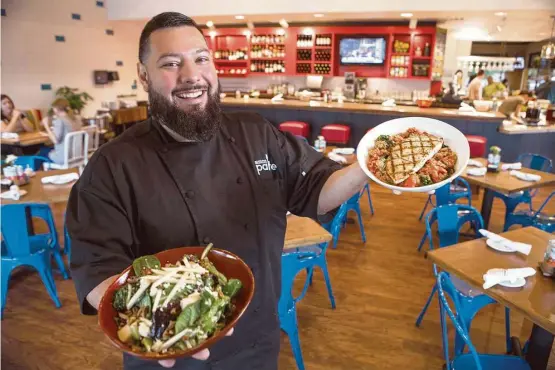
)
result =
(409, 155)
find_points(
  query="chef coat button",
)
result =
(239, 180)
(190, 194)
(232, 140)
(206, 240)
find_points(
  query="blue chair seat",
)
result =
(490, 362)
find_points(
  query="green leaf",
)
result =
(188, 317)
(142, 264)
(146, 302)
(232, 287)
(120, 298)
(206, 301)
(212, 269)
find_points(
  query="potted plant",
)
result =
(77, 100)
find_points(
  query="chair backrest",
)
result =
(94, 137)
(14, 230)
(33, 161)
(444, 286)
(75, 149)
(535, 162)
(450, 218)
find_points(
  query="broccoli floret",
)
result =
(425, 180)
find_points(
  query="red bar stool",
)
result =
(297, 128)
(336, 133)
(477, 145)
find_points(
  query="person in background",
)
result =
(63, 122)
(493, 89)
(514, 104)
(457, 81)
(475, 87)
(12, 119)
(546, 91)
(451, 96)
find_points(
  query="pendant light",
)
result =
(548, 50)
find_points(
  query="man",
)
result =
(192, 175)
(514, 104)
(475, 87)
(493, 89)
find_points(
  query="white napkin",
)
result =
(14, 193)
(337, 158)
(344, 151)
(511, 166)
(389, 103)
(466, 108)
(477, 171)
(277, 98)
(313, 103)
(475, 163)
(516, 246)
(525, 176)
(60, 179)
(496, 276)
(9, 135)
(10, 158)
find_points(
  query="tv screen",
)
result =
(362, 50)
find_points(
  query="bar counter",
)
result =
(361, 117)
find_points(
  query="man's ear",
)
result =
(143, 75)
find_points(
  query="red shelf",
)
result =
(421, 58)
(267, 44)
(322, 47)
(269, 59)
(267, 74)
(400, 54)
(233, 75)
(305, 48)
(226, 61)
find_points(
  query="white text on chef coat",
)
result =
(264, 165)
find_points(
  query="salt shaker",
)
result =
(548, 263)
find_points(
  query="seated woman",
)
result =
(63, 122)
(12, 119)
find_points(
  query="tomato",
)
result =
(410, 182)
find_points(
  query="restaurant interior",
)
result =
(367, 289)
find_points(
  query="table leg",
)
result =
(539, 348)
(487, 203)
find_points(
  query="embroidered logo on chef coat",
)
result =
(263, 165)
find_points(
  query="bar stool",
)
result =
(477, 145)
(297, 128)
(336, 133)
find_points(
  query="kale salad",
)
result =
(172, 308)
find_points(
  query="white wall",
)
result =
(454, 48)
(31, 56)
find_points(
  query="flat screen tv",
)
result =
(362, 50)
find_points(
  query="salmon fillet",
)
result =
(410, 155)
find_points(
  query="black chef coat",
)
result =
(144, 192)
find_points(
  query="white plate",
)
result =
(452, 137)
(519, 282)
(498, 246)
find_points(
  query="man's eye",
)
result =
(170, 64)
(203, 59)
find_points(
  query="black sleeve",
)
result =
(307, 172)
(100, 231)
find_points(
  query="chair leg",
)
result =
(309, 274)
(360, 224)
(45, 273)
(291, 328)
(367, 187)
(60, 262)
(423, 312)
(5, 286)
(428, 201)
(323, 264)
(508, 330)
(422, 241)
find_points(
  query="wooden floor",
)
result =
(379, 287)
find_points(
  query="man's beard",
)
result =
(198, 124)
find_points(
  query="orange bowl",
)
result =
(424, 103)
(226, 262)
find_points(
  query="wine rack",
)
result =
(322, 68)
(305, 41)
(315, 54)
(239, 54)
(267, 39)
(260, 66)
(304, 54)
(304, 67)
(267, 51)
(323, 55)
(323, 40)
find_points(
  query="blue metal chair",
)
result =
(450, 218)
(32, 161)
(305, 258)
(366, 190)
(447, 194)
(471, 360)
(19, 249)
(50, 238)
(535, 162)
(335, 226)
(458, 189)
(537, 218)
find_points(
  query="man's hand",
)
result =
(202, 355)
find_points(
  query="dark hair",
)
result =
(527, 93)
(161, 21)
(458, 70)
(2, 97)
(481, 72)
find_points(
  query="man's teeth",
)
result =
(190, 95)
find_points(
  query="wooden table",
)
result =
(37, 192)
(504, 183)
(28, 139)
(303, 231)
(536, 300)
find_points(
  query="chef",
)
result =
(193, 175)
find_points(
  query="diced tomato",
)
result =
(410, 182)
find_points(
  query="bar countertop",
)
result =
(493, 117)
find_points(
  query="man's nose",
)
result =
(189, 72)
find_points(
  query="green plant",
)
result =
(77, 100)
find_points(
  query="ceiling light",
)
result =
(318, 15)
(406, 15)
(283, 23)
(239, 17)
(548, 50)
(209, 24)
(500, 14)
(308, 31)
